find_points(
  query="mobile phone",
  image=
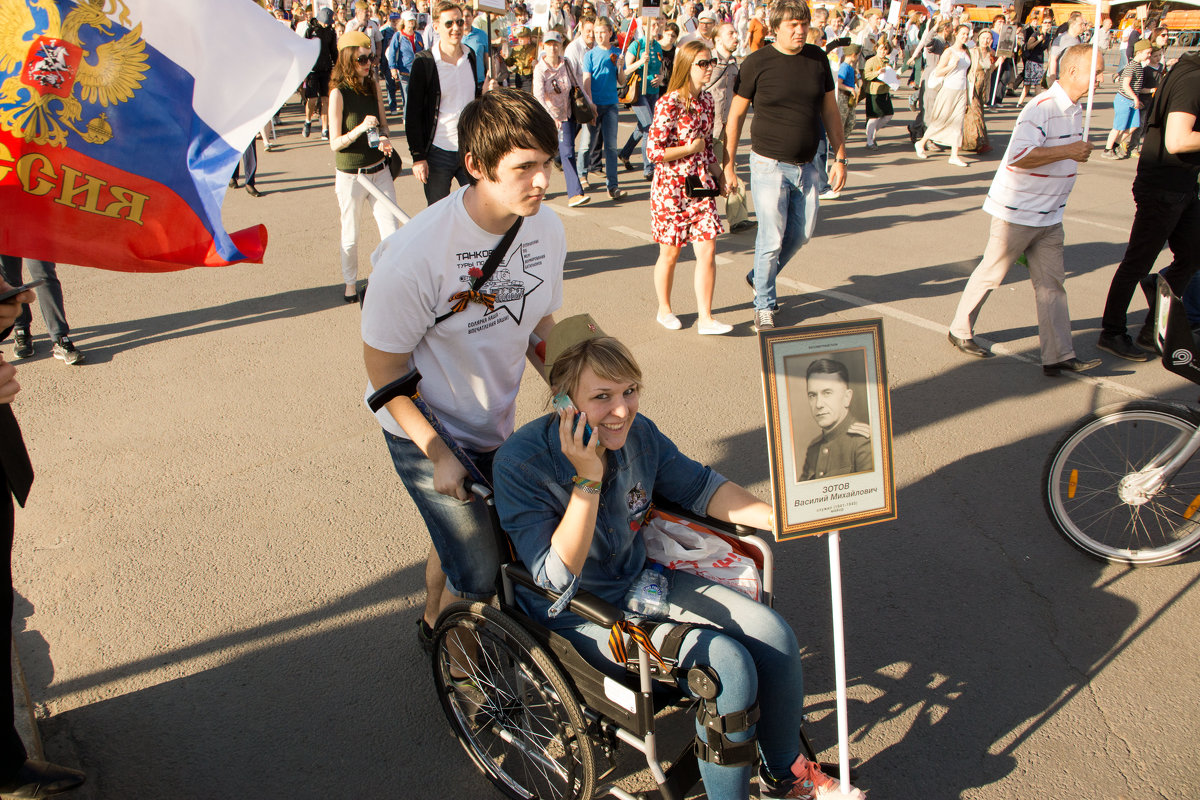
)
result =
(11, 293)
(561, 401)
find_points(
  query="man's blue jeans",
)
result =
(462, 532)
(606, 121)
(786, 203)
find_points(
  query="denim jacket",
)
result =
(533, 486)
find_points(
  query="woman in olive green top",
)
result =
(878, 93)
(355, 117)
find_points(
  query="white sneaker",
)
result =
(669, 321)
(830, 195)
(713, 328)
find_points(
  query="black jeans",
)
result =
(50, 296)
(12, 750)
(444, 166)
(1162, 217)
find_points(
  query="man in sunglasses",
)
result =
(442, 82)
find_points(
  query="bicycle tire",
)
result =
(1082, 485)
(519, 721)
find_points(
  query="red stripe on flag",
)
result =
(57, 204)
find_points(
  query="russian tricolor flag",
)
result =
(122, 120)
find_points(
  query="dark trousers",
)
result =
(12, 750)
(444, 166)
(50, 296)
(1171, 218)
(249, 163)
(390, 83)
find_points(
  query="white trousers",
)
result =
(1043, 249)
(351, 196)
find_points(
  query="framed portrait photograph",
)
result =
(829, 427)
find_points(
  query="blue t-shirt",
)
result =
(598, 62)
(846, 75)
(653, 67)
(477, 40)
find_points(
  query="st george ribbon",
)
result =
(122, 120)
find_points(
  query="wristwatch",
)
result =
(841, 161)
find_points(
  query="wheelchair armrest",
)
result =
(584, 603)
(730, 528)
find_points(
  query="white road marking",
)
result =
(636, 234)
(1123, 231)
(937, 190)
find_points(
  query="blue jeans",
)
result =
(444, 166)
(566, 154)
(462, 532)
(756, 657)
(643, 109)
(606, 121)
(50, 296)
(785, 202)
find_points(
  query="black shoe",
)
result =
(616, 194)
(250, 190)
(744, 225)
(233, 184)
(627, 163)
(1070, 365)
(40, 779)
(22, 343)
(1147, 341)
(969, 347)
(1121, 346)
(425, 635)
(67, 352)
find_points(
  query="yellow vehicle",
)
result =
(1183, 25)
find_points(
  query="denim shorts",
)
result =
(462, 532)
(1125, 116)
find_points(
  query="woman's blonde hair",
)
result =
(607, 357)
(684, 58)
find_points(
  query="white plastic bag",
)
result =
(691, 548)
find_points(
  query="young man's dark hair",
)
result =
(501, 121)
(782, 10)
(445, 5)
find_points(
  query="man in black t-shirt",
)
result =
(1168, 209)
(791, 86)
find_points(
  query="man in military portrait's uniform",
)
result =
(844, 446)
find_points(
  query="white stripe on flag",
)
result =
(245, 62)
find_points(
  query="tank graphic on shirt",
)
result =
(512, 283)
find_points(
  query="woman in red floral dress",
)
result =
(680, 144)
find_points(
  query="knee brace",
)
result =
(715, 746)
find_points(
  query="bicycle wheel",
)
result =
(515, 715)
(1088, 491)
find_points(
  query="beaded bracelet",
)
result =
(591, 487)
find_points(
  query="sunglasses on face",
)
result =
(453, 23)
(704, 63)
(364, 59)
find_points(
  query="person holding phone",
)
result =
(20, 776)
(574, 506)
(50, 299)
(680, 145)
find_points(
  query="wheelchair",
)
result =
(534, 714)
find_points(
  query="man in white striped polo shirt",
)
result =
(1026, 201)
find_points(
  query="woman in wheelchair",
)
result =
(574, 509)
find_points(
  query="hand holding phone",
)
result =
(562, 403)
(11, 293)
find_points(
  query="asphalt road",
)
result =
(218, 570)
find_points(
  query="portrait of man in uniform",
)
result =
(843, 444)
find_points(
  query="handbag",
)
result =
(394, 164)
(632, 91)
(581, 110)
(693, 186)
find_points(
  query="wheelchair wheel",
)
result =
(515, 714)
(1089, 494)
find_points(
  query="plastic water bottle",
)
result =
(647, 597)
(372, 137)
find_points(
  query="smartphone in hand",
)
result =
(11, 293)
(561, 401)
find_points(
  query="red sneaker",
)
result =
(808, 783)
